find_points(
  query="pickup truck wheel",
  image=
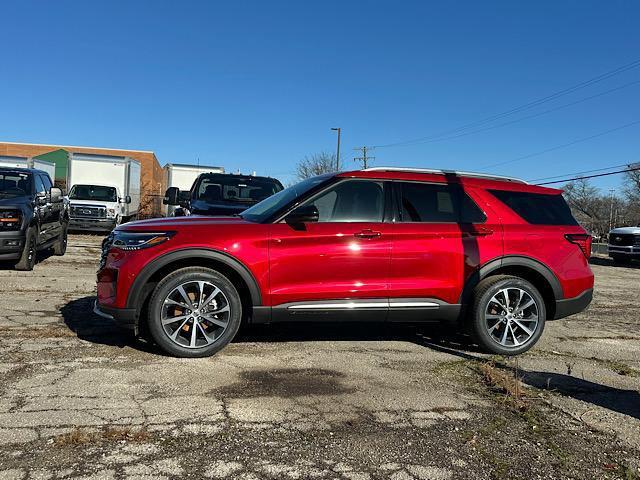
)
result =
(29, 252)
(60, 247)
(194, 312)
(508, 315)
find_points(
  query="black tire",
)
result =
(483, 294)
(29, 252)
(621, 259)
(60, 247)
(184, 276)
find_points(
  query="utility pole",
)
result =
(364, 159)
(337, 129)
(611, 208)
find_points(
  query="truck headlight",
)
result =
(125, 240)
(111, 212)
(10, 219)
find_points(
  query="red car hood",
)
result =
(169, 223)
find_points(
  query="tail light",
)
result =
(582, 240)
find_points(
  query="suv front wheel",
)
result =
(508, 315)
(194, 312)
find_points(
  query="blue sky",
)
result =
(255, 85)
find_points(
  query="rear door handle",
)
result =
(367, 233)
(479, 232)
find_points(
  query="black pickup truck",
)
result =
(34, 216)
(221, 194)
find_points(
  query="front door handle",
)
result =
(367, 233)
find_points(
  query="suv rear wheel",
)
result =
(508, 315)
(194, 312)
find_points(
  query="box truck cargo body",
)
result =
(104, 191)
(182, 176)
(25, 162)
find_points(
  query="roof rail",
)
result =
(460, 173)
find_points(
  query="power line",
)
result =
(364, 159)
(630, 169)
(564, 145)
(521, 119)
(526, 106)
(579, 173)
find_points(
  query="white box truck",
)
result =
(182, 176)
(26, 162)
(104, 191)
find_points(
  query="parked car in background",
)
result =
(221, 194)
(624, 244)
(490, 255)
(33, 216)
(182, 177)
(104, 191)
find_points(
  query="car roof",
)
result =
(482, 180)
(21, 170)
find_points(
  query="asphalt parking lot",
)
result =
(81, 399)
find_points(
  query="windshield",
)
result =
(93, 192)
(270, 206)
(15, 184)
(221, 188)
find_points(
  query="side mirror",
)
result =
(304, 214)
(171, 196)
(55, 194)
(127, 199)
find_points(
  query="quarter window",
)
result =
(437, 203)
(351, 201)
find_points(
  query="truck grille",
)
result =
(88, 211)
(624, 239)
(106, 245)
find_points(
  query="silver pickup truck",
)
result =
(624, 244)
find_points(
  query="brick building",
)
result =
(153, 181)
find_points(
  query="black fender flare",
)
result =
(136, 291)
(513, 261)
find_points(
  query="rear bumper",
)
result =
(571, 306)
(124, 317)
(92, 224)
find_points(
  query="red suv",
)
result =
(491, 255)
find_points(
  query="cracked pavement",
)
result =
(80, 398)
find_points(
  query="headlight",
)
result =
(138, 240)
(111, 212)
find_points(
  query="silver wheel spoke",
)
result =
(167, 321)
(192, 297)
(215, 321)
(213, 294)
(526, 330)
(185, 297)
(516, 331)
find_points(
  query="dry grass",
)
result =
(505, 382)
(80, 436)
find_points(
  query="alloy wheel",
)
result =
(511, 317)
(195, 314)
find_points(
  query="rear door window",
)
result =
(437, 203)
(537, 208)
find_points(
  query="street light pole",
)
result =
(338, 149)
(611, 208)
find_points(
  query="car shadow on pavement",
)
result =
(614, 399)
(41, 257)
(79, 317)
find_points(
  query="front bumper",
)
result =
(633, 251)
(11, 245)
(92, 224)
(124, 317)
(571, 306)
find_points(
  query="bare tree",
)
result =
(589, 206)
(316, 164)
(632, 194)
